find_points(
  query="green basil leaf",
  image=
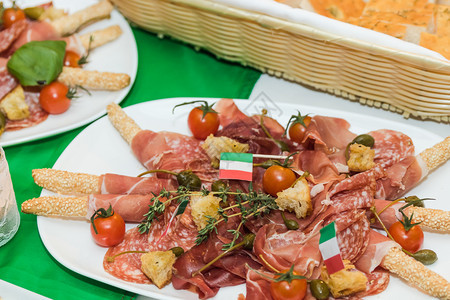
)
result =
(38, 62)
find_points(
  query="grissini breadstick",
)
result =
(53, 206)
(125, 125)
(415, 273)
(93, 80)
(435, 219)
(71, 23)
(64, 182)
(100, 37)
(436, 155)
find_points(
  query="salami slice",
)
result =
(391, 146)
(9, 35)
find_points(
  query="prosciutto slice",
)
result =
(126, 185)
(174, 152)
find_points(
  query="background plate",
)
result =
(117, 56)
(100, 149)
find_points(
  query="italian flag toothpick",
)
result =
(329, 248)
(236, 166)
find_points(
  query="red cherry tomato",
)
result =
(410, 240)
(12, 15)
(54, 98)
(110, 228)
(71, 59)
(202, 126)
(283, 290)
(277, 178)
(297, 130)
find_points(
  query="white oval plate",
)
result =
(118, 56)
(100, 149)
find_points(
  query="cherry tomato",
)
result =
(202, 126)
(277, 178)
(71, 59)
(12, 15)
(283, 290)
(410, 240)
(110, 228)
(297, 130)
(55, 98)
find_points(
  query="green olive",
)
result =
(219, 186)
(283, 146)
(248, 241)
(189, 180)
(34, 12)
(319, 289)
(2, 123)
(268, 163)
(364, 139)
(178, 251)
(425, 256)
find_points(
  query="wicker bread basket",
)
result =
(411, 84)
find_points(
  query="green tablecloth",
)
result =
(166, 69)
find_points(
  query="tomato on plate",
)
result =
(55, 97)
(71, 59)
(12, 15)
(297, 126)
(277, 178)
(107, 227)
(202, 120)
(409, 237)
(288, 286)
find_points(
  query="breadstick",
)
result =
(52, 206)
(93, 79)
(436, 155)
(432, 218)
(65, 182)
(122, 122)
(416, 273)
(100, 37)
(71, 23)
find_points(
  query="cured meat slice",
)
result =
(131, 207)
(7, 81)
(120, 184)
(9, 35)
(257, 286)
(174, 152)
(228, 112)
(391, 147)
(282, 249)
(127, 266)
(34, 31)
(37, 114)
(318, 165)
(379, 246)
(377, 282)
(389, 215)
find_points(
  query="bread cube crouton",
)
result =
(203, 206)
(296, 199)
(213, 146)
(13, 105)
(360, 158)
(346, 281)
(157, 266)
(440, 44)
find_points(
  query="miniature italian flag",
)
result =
(236, 166)
(329, 248)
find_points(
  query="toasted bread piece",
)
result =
(13, 105)
(296, 199)
(203, 206)
(392, 29)
(336, 9)
(346, 281)
(157, 266)
(361, 158)
(441, 24)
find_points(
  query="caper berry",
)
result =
(364, 139)
(248, 241)
(416, 201)
(425, 256)
(178, 251)
(290, 224)
(189, 180)
(219, 186)
(319, 289)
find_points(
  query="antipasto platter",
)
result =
(118, 56)
(100, 149)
